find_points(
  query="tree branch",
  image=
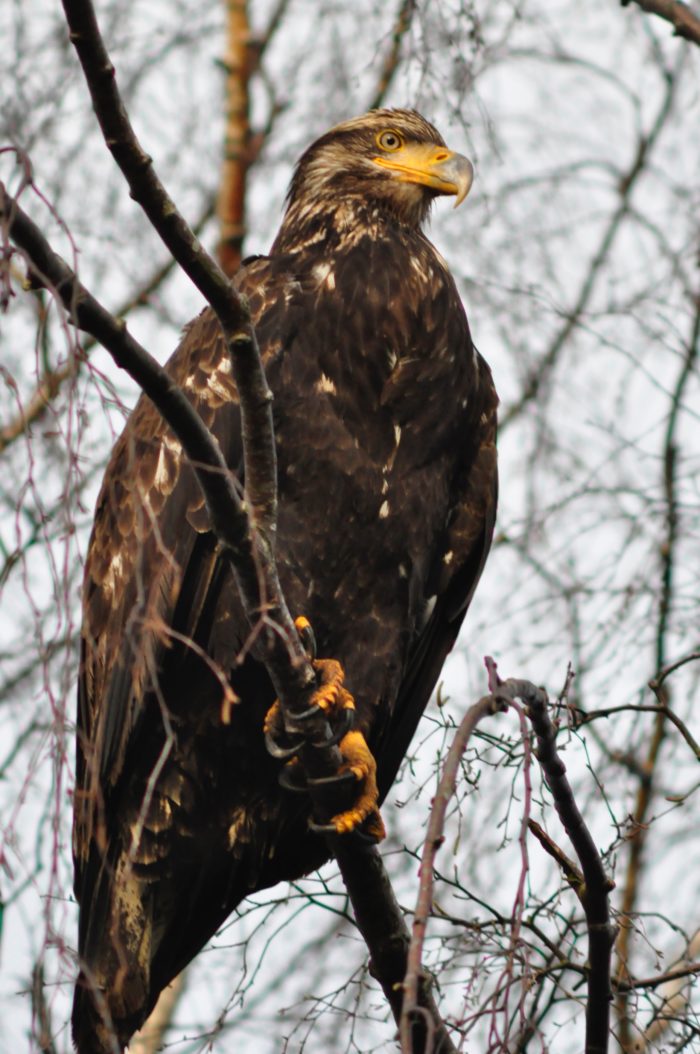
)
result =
(402, 24)
(594, 896)
(239, 63)
(541, 373)
(593, 892)
(646, 788)
(685, 22)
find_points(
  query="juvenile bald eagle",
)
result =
(385, 420)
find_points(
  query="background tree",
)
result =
(578, 255)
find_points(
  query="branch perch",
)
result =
(247, 539)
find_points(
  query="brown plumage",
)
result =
(385, 420)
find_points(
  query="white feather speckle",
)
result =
(325, 384)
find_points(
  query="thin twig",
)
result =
(541, 372)
(433, 840)
(40, 1012)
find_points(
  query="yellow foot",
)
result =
(334, 700)
(359, 760)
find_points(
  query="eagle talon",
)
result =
(360, 836)
(292, 779)
(338, 780)
(306, 636)
(346, 721)
(278, 751)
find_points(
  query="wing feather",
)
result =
(146, 570)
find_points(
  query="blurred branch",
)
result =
(239, 62)
(149, 1038)
(40, 1011)
(685, 22)
(412, 1019)
(647, 788)
(627, 182)
(402, 24)
(657, 681)
(585, 718)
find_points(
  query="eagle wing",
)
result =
(153, 572)
(453, 578)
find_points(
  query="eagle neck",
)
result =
(338, 226)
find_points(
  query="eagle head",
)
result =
(391, 160)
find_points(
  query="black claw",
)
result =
(296, 784)
(294, 723)
(283, 753)
(344, 724)
(297, 720)
(357, 833)
(340, 779)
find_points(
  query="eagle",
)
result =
(385, 426)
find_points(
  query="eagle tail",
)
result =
(113, 993)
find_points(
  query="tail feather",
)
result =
(112, 996)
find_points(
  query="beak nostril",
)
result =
(443, 156)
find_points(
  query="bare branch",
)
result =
(646, 789)
(402, 25)
(685, 22)
(40, 1012)
(411, 1021)
(601, 934)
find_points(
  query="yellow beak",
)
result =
(432, 166)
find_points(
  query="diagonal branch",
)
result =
(592, 892)
(685, 22)
(595, 894)
(402, 24)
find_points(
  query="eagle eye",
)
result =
(389, 141)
